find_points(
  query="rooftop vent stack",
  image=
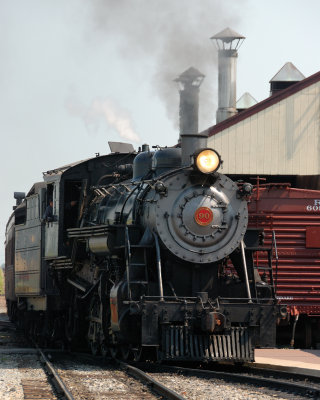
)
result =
(228, 43)
(189, 83)
(288, 75)
(245, 101)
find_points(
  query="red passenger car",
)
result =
(292, 217)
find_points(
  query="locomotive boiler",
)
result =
(146, 255)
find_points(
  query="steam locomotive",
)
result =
(145, 255)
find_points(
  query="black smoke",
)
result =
(168, 36)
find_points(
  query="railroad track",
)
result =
(293, 385)
(290, 383)
(7, 324)
(151, 385)
(71, 377)
(148, 380)
(64, 376)
(60, 388)
(58, 383)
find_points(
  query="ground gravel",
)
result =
(10, 378)
(15, 371)
(195, 388)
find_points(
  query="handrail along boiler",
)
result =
(137, 258)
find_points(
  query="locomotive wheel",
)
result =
(94, 347)
(125, 352)
(114, 351)
(71, 319)
(94, 330)
(30, 328)
(137, 353)
(104, 349)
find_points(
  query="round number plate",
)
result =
(203, 216)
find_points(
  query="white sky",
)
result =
(75, 74)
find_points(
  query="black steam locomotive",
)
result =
(141, 254)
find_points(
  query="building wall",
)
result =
(282, 139)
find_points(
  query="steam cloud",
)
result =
(103, 110)
(171, 35)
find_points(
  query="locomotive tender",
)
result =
(135, 258)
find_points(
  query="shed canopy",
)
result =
(277, 136)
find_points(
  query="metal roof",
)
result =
(246, 101)
(288, 73)
(61, 170)
(262, 105)
(36, 188)
(227, 35)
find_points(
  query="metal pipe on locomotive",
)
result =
(146, 264)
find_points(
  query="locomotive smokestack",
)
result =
(189, 83)
(228, 43)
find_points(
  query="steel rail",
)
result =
(53, 374)
(242, 378)
(156, 386)
(7, 323)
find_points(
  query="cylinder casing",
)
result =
(101, 245)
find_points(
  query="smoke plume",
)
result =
(103, 111)
(170, 35)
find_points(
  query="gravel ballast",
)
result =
(18, 372)
(195, 388)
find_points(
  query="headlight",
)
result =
(207, 161)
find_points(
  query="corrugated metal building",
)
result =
(278, 136)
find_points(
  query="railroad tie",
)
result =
(35, 389)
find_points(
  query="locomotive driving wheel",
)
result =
(94, 347)
(114, 351)
(104, 349)
(99, 320)
(137, 353)
(125, 352)
(71, 320)
(95, 325)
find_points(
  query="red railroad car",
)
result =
(294, 217)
